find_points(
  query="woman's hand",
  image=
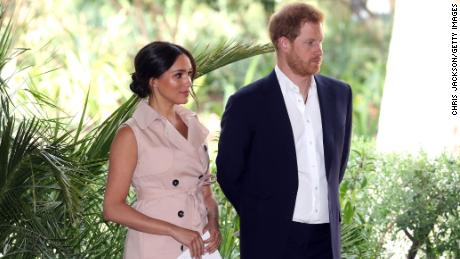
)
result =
(191, 239)
(213, 242)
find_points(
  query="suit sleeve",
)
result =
(234, 142)
(348, 127)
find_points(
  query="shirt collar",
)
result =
(287, 85)
(184, 113)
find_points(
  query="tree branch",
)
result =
(409, 235)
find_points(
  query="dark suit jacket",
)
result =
(257, 166)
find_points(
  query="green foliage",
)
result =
(37, 184)
(425, 197)
(228, 221)
(354, 241)
(357, 242)
(400, 198)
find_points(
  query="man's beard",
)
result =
(300, 67)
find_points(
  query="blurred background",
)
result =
(77, 45)
(65, 74)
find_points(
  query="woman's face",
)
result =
(173, 86)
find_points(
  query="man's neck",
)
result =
(303, 82)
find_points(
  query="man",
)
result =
(284, 147)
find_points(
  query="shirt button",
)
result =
(180, 214)
(175, 182)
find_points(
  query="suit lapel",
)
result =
(327, 125)
(277, 102)
(276, 108)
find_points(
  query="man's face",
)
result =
(305, 52)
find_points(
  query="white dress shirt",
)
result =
(311, 204)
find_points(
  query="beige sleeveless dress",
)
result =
(168, 179)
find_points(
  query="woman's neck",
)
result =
(164, 108)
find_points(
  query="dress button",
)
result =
(175, 182)
(182, 248)
(180, 213)
(205, 148)
(199, 177)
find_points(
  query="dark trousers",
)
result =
(309, 241)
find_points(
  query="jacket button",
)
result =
(180, 213)
(175, 182)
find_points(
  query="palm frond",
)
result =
(14, 147)
(213, 57)
(354, 241)
(80, 124)
(98, 141)
(6, 33)
(29, 233)
(40, 188)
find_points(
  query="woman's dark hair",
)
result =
(152, 61)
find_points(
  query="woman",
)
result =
(161, 150)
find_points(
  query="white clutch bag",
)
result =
(215, 255)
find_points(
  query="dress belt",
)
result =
(193, 204)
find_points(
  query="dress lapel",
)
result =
(196, 134)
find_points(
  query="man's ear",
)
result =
(283, 44)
